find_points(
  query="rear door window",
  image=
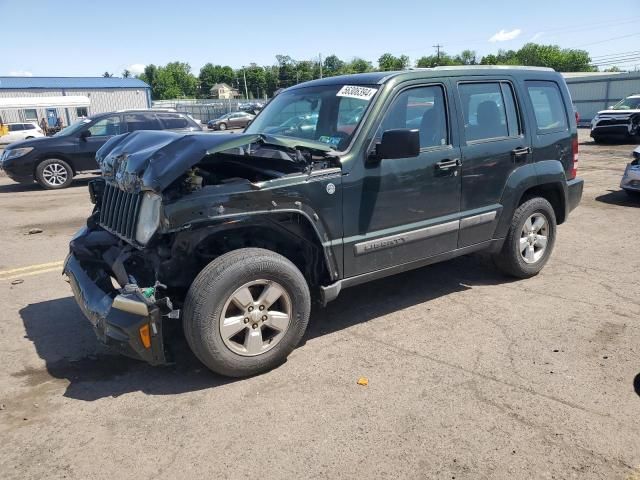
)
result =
(142, 121)
(484, 111)
(548, 106)
(16, 127)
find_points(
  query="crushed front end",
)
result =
(163, 207)
(125, 316)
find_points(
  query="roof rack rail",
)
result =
(493, 67)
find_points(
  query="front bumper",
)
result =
(574, 193)
(610, 127)
(19, 169)
(116, 316)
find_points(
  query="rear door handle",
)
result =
(518, 152)
(448, 164)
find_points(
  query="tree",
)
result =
(332, 65)
(466, 57)
(126, 73)
(388, 62)
(174, 80)
(211, 74)
(613, 69)
(533, 54)
(149, 74)
(286, 71)
(358, 65)
(184, 79)
(107, 75)
(431, 61)
(256, 80)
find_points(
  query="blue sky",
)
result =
(75, 38)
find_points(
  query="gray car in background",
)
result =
(231, 120)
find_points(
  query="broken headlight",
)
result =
(148, 217)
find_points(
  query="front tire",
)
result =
(530, 239)
(222, 126)
(54, 174)
(246, 311)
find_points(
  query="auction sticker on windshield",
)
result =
(353, 91)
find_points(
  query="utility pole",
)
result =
(320, 62)
(438, 47)
(246, 90)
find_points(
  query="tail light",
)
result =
(574, 165)
(577, 117)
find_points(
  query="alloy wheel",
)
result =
(534, 238)
(255, 317)
(55, 174)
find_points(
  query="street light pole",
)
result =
(246, 90)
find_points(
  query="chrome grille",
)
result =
(119, 211)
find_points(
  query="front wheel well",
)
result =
(553, 193)
(288, 234)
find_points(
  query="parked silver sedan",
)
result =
(631, 179)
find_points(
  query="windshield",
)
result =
(629, 103)
(73, 128)
(329, 114)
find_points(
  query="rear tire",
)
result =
(530, 239)
(233, 325)
(54, 174)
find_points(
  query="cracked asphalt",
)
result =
(471, 375)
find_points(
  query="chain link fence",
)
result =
(209, 109)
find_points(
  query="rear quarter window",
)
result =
(174, 122)
(548, 107)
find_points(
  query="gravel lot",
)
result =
(471, 375)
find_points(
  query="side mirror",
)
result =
(399, 143)
(85, 134)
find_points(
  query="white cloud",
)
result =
(536, 36)
(503, 36)
(20, 73)
(136, 68)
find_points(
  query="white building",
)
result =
(595, 91)
(29, 99)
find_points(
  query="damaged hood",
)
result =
(151, 160)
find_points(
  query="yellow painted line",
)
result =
(31, 267)
(30, 274)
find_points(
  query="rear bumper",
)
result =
(574, 193)
(116, 316)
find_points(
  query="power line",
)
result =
(615, 57)
(613, 54)
(606, 40)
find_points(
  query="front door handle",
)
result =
(518, 152)
(448, 164)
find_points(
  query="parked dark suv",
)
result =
(233, 236)
(53, 161)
